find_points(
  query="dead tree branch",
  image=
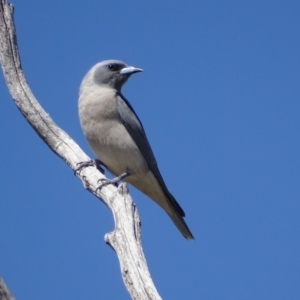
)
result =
(5, 293)
(125, 239)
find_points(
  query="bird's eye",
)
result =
(113, 67)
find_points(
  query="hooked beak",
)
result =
(130, 70)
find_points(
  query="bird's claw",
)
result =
(114, 181)
(89, 163)
(105, 182)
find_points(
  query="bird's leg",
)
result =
(89, 163)
(111, 181)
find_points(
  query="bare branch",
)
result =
(126, 237)
(5, 293)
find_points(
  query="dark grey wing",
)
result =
(135, 128)
(137, 132)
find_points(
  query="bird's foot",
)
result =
(89, 163)
(114, 181)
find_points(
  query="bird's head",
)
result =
(113, 73)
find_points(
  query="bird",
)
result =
(118, 139)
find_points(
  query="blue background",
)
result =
(219, 100)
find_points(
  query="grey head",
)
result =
(113, 73)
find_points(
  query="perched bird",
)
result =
(117, 137)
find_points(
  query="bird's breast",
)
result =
(106, 134)
(116, 149)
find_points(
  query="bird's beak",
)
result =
(130, 70)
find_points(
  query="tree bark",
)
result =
(5, 293)
(125, 239)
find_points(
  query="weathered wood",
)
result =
(5, 293)
(125, 239)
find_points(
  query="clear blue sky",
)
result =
(220, 102)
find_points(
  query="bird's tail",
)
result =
(158, 192)
(181, 225)
(177, 214)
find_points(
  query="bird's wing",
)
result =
(135, 128)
